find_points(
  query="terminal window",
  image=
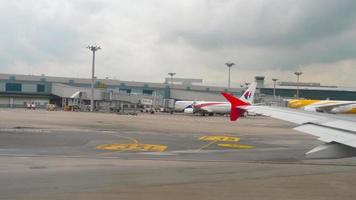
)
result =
(125, 91)
(148, 92)
(40, 88)
(13, 87)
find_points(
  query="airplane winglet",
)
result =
(233, 100)
(235, 103)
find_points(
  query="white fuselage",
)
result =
(202, 106)
(334, 106)
(180, 106)
(213, 107)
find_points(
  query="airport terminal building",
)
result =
(18, 90)
(309, 91)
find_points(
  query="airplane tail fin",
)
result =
(248, 95)
(236, 103)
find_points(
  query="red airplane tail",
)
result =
(236, 112)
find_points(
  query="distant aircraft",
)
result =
(338, 132)
(327, 106)
(183, 106)
(212, 107)
(223, 107)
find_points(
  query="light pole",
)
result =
(171, 74)
(229, 65)
(274, 87)
(93, 49)
(298, 74)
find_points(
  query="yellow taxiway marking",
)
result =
(220, 138)
(231, 142)
(132, 147)
(236, 146)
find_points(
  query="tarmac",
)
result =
(73, 155)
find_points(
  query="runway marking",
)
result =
(133, 147)
(231, 142)
(220, 138)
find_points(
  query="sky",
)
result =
(143, 40)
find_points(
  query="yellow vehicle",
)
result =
(51, 107)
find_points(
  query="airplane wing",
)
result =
(327, 107)
(338, 133)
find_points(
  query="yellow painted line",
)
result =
(236, 146)
(133, 147)
(110, 147)
(219, 138)
(110, 152)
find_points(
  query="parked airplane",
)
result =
(183, 106)
(328, 106)
(338, 132)
(210, 107)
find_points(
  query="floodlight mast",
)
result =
(171, 74)
(274, 87)
(229, 65)
(93, 48)
(298, 74)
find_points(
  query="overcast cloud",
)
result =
(143, 40)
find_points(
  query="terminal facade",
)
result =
(18, 90)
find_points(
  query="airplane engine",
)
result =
(309, 108)
(342, 109)
(188, 111)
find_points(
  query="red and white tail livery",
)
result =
(249, 94)
(223, 107)
(237, 105)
